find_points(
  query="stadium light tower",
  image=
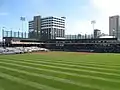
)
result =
(93, 23)
(22, 19)
(3, 33)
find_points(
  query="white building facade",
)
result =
(52, 28)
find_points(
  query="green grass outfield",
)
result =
(60, 71)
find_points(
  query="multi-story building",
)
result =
(52, 28)
(35, 27)
(47, 28)
(97, 33)
(114, 26)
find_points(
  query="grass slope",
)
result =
(60, 71)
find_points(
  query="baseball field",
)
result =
(60, 71)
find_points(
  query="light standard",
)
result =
(93, 23)
(3, 40)
(22, 19)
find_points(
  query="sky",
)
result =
(78, 13)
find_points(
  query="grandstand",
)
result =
(103, 44)
(20, 45)
(79, 45)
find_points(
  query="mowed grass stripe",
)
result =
(86, 59)
(69, 83)
(26, 82)
(73, 73)
(95, 65)
(87, 63)
(1, 88)
(7, 84)
(80, 58)
(76, 64)
(77, 57)
(94, 78)
(72, 65)
(80, 71)
(39, 70)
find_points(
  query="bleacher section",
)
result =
(21, 50)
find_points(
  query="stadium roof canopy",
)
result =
(107, 37)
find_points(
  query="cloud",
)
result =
(106, 8)
(79, 27)
(81, 22)
(99, 10)
(3, 13)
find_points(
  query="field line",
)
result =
(26, 82)
(72, 74)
